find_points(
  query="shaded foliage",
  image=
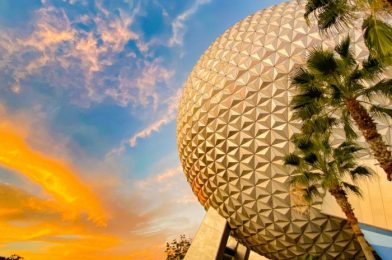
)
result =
(339, 14)
(319, 167)
(11, 257)
(332, 82)
(176, 250)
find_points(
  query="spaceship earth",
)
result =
(234, 126)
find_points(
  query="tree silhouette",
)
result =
(11, 257)
(176, 250)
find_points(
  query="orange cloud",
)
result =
(53, 175)
(37, 226)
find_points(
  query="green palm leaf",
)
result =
(312, 6)
(371, 68)
(380, 111)
(337, 13)
(318, 125)
(322, 62)
(306, 178)
(344, 51)
(292, 160)
(347, 126)
(311, 158)
(311, 192)
(302, 77)
(378, 38)
(383, 87)
(351, 188)
(360, 172)
(302, 142)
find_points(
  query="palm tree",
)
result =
(340, 13)
(333, 82)
(318, 165)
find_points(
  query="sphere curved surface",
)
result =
(233, 129)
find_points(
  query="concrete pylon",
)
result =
(211, 238)
(213, 242)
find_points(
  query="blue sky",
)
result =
(94, 85)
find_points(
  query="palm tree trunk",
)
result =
(369, 130)
(341, 198)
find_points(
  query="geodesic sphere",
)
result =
(234, 126)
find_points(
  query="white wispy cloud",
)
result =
(89, 64)
(51, 30)
(178, 24)
(164, 183)
(167, 117)
(174, 200)
(164, 176)
(141, 88)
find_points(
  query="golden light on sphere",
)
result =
(234, 126)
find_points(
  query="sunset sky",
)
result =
(88, 99)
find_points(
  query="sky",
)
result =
(88, 99)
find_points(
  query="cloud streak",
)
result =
(159, 178)
(154, 127)
(140, 89)
(178, 24)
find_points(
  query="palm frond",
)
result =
(378, 37)
(318, 125)
(303, 196)
(307, 103)
(307, 111)
(355, 75)
(312, 176)
(383, 87)
(355, 88)
(322, 62)
(344, 156)
(308, 99)
(302, 142)
(311, 158)
(336, 94)
(310, 93)
(305, 178)
(346, 166)
(360, 172)
(313, 6)
(380, 111)
(354, 80)
(347, 126)
(302, 76)
(292, 160)
(325, 143)
(329, 179)
(371, 68)
(351, 188)
(299, 180)
(311, 192)
(337, 13)
(343, 49)
(348, 147)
